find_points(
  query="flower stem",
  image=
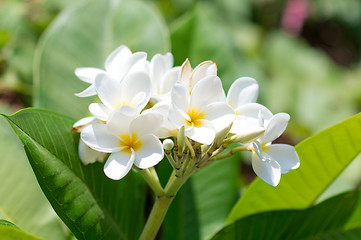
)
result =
(161, 206)
(153, 181)
(156, 217)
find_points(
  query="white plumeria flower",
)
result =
(203, 112)
(130, 139)
(163, 76)
(242, 96)
(86, 154)
(134, 91)
(167, 129)
(118, 64)
(190, 77)
(269, 161)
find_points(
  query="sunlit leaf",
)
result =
(90, 204)
(32, 213)
(9, 231)
(336, 218)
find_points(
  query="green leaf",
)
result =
(83, 36)
(7, 223)
(215, 190)
(90, 204)
(181, 221)
(323, 157)
(336, 218)
(10, 232)
(21, 199)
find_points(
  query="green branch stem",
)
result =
(161, 206)
(230, 153)
(152, 180)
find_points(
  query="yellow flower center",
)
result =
(195, 118)
(129, 142)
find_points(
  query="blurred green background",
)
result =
(304, 54)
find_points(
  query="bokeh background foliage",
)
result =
(311, 72)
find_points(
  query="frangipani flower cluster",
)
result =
(151, 109)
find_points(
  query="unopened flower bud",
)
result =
(222, 135)
(181, 138)
(249, 135)
(168, 144)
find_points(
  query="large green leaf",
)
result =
(21, 199)
(336, 218)
(181, 221)
(323, 157)
(89, 203)
(215, 191)
(83, 36)
(9, 231)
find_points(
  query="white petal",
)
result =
(168, 80)
(117, 58)
(99, 138)
(219, 114)
(203, 70)
(285, 155)
(135, 89)
(120, 120)
(185, 74)
(251, 112)
(100, 111)
(178, 117)
(159, 65)
(276, 126)
(146, 123)
(140, 66)
(88, 92)
(88, 155)
(206, 91)
(204, 133)
(108, 90)
(87, 74)
(133, 60)
(258, 149)
(239, 125)
(118, 165)
(167, 129)
(84, 121)
(243, 90)
(150, 153)
(180, 97)
(269, 171)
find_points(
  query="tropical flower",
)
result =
(134, 91)
(86, 154)
(269, 161)
(167, 129)
(129, 138)
(241, 97)
(163, 76)
(190, 77)
(118, 64)
(202, 111)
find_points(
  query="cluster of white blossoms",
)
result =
(151, 109)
